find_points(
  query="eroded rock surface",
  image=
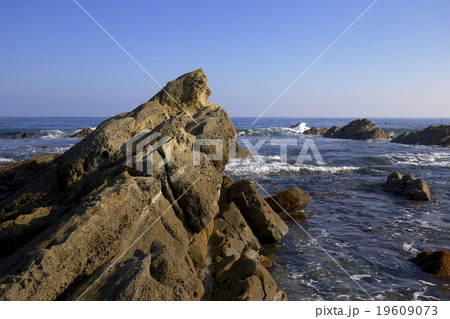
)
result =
(85, 225)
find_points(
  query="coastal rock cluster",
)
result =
(361, 129)
(83, 225)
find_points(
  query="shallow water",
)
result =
(370, 233)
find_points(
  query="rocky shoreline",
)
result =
(83, 225)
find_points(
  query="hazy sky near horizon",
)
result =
(54, 61)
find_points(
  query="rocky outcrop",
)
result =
(432, 135)
(436, 262)
(87, 224)
(331, 131)
(316, 131)
(83, 133)
(362, 129)
(408, 186)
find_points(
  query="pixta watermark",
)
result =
(142, 148)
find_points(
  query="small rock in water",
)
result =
(408, 186)
(290, 199)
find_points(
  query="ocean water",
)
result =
(351, 221)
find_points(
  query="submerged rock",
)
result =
(83, 133)
(436, 262)
(362, 129)
(69, 217)
(432, 135)
(408, 186)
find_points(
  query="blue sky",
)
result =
(54, 61)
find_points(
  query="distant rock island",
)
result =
(361, 129)
(432, 135)
(83, 225)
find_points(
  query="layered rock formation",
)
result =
(435, 262)
(432, 135)
(85, 225)
(408, 186)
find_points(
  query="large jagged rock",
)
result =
(432, 135)
(435, 262)
(362, 129)
(86, 225)
(408, 186)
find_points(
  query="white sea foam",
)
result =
(265, 166)
(409, 248)
(6, 160)
(427, 283)
(299, 128)
(52, 134)
(419, 294)
(359, 277)
(440, 159)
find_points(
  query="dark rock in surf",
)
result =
(432, 135)
(21, 136)
(436, 262)
(316, 131)
(408, 186)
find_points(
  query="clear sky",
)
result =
(54, 61)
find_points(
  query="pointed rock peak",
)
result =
(189, 92)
